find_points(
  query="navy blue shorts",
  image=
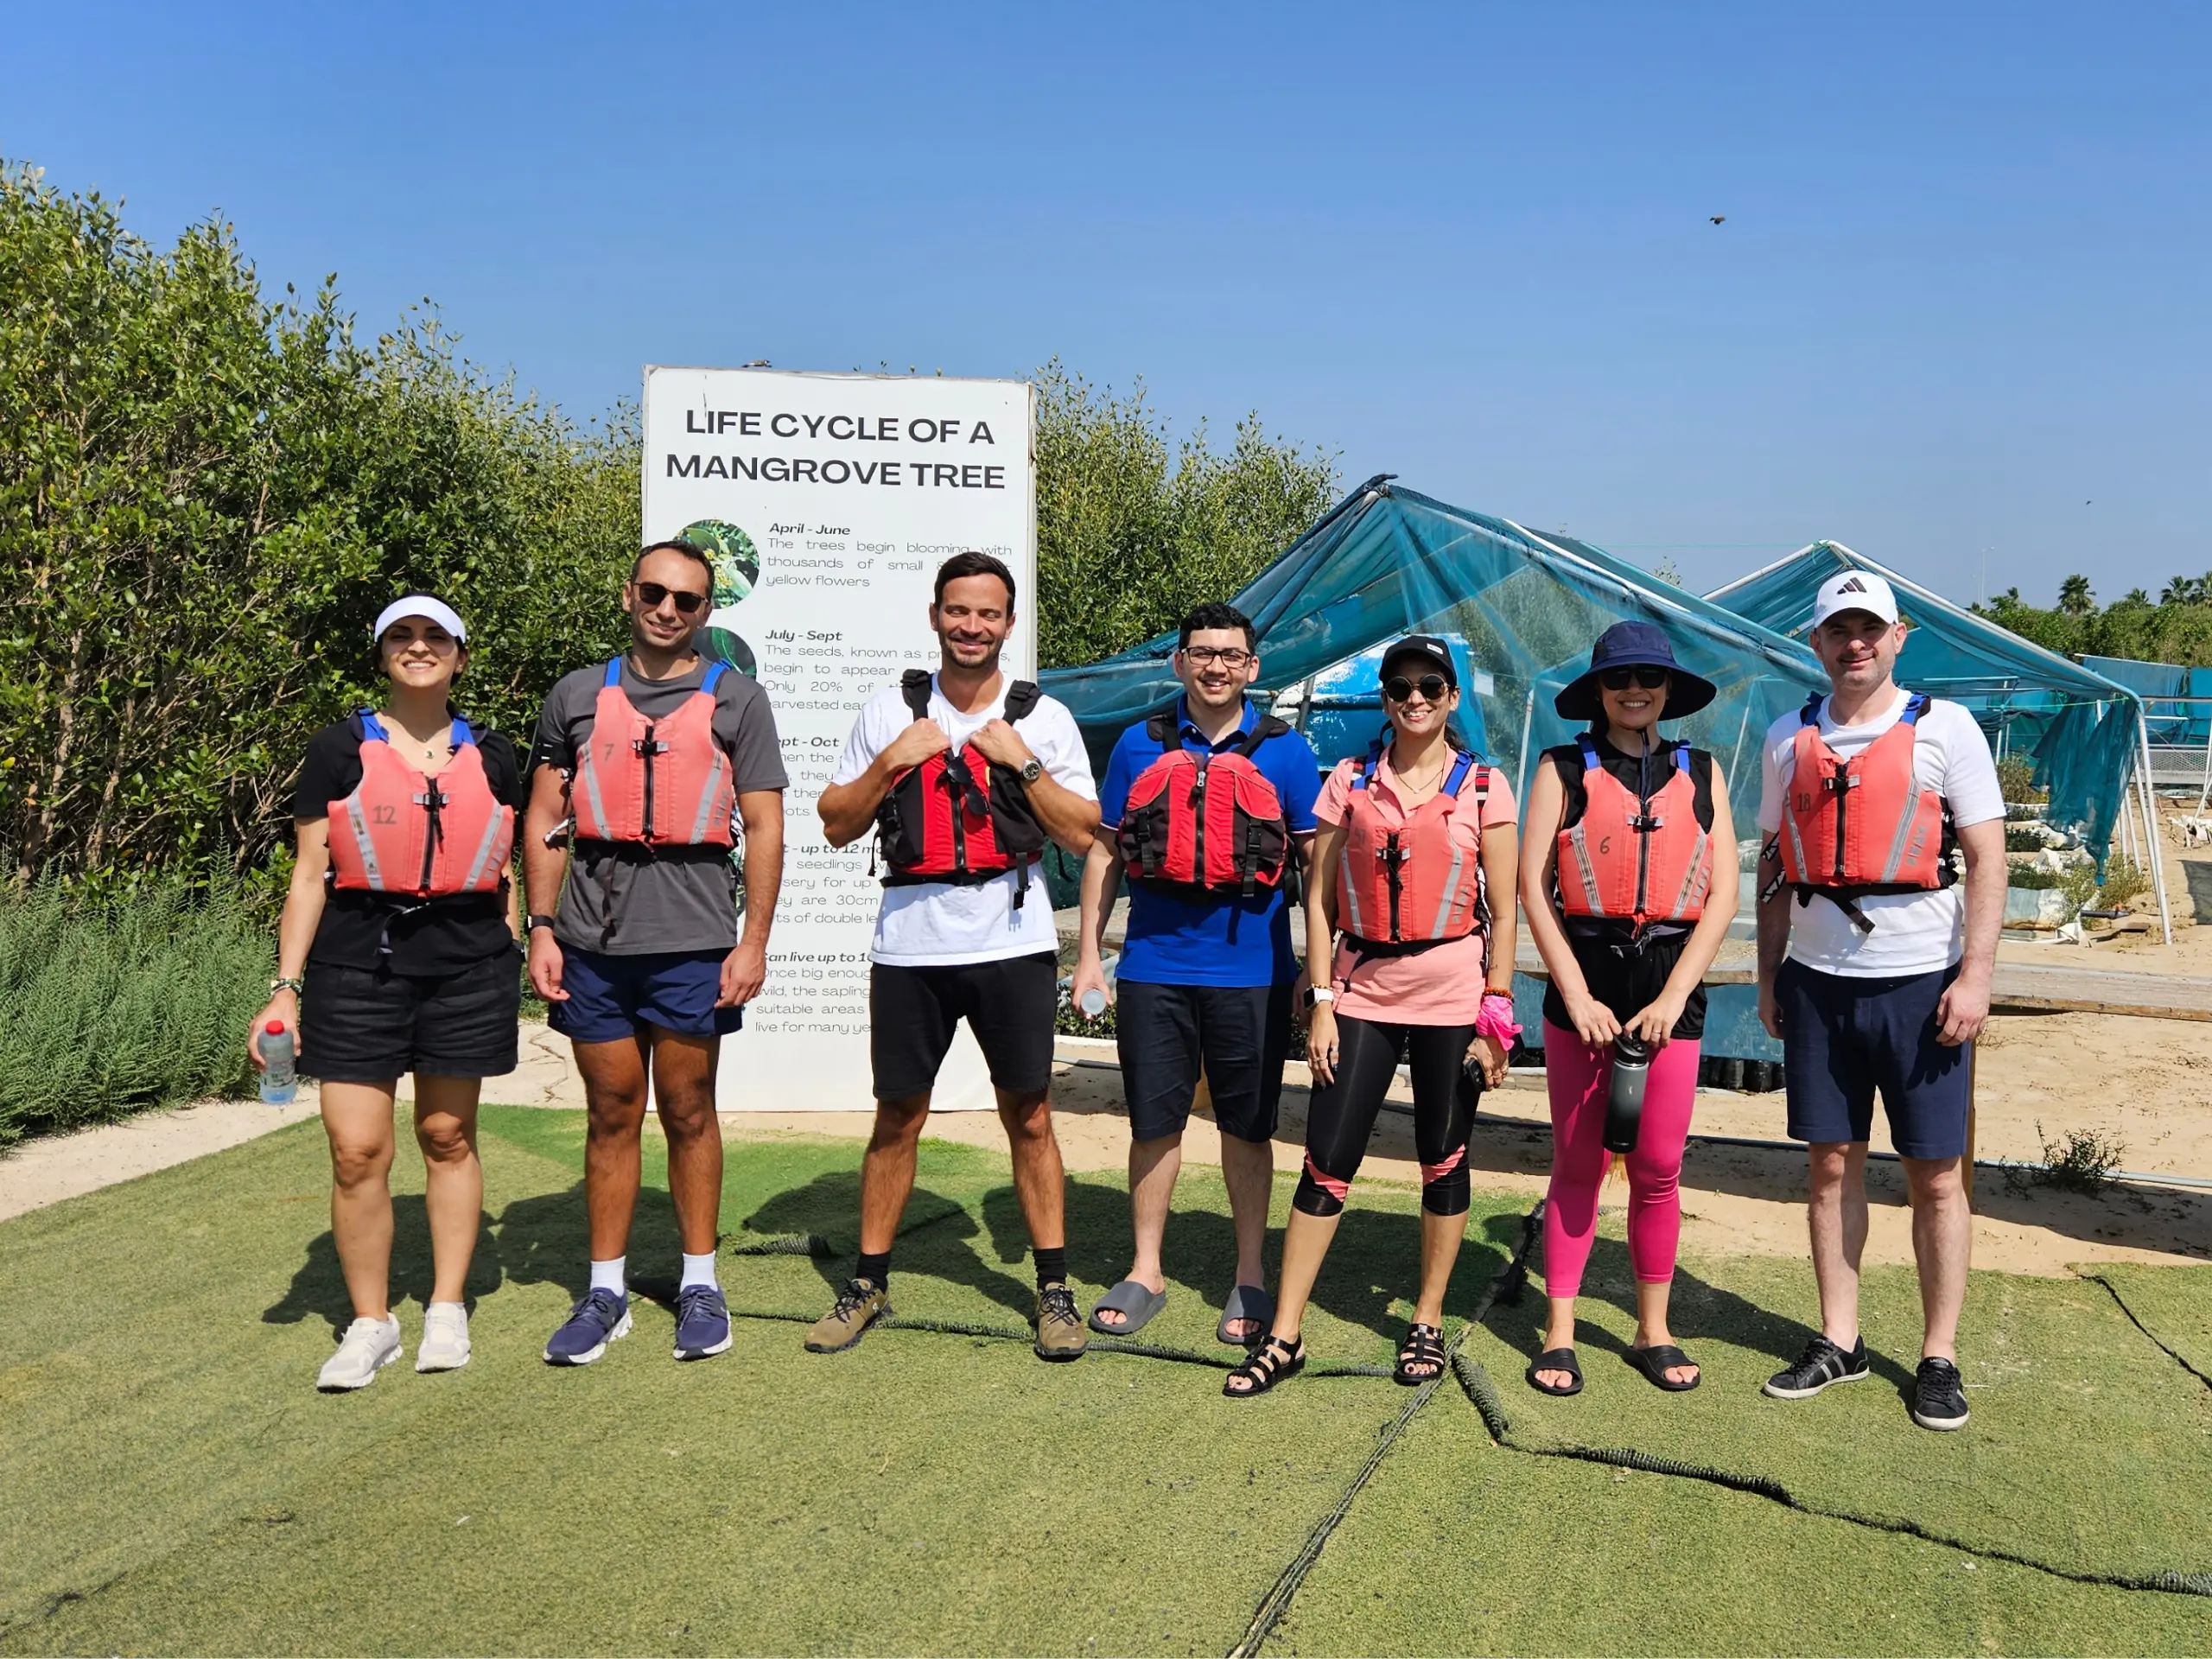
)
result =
(614, 997)
(1238, 1035)
(1842, 1039)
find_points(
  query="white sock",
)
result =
(699, 1270)
(611, 1276)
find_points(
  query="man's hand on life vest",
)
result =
(1964, 1010)
(742, 971)
(1592, 1020)
(1000, 744)
(915, 745)
(545, 964)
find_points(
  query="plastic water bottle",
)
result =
(1093, 1003)
(1624, 1100)
(280, 1085)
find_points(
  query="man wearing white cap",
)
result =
(1885, 981)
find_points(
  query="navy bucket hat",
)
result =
(1635, 645)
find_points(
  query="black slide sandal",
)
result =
(1271, 1361)
(1424, 1345)
(1555, 1359)
(1656, 1362)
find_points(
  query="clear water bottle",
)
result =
(280, 1084)
(1093, 1003)
(1625, 1099)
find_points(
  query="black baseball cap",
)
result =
(1426, 646)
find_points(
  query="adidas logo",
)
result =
(1855, 586)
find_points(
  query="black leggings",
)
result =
(1341, 1118)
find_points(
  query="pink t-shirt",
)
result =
(1442, 985)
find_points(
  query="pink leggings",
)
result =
(1578, 1079)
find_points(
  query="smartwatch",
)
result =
(1317, 994)
(536, 922)
(1032, 770)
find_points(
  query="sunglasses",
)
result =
(654, 594)
(1616, 679)
(1398, 688)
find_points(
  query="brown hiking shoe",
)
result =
(860, 1304)
(1059, 1326)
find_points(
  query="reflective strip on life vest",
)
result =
(1689, 892)
(1349, 889)
(1905, 821)
(1451, 889)
(1588, 871)
(364, 846)
(706, 798)
(483, 856)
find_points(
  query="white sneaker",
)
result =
(369, 1346)
(444, 1346)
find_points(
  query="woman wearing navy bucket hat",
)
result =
(1625, 830)
(399, 937)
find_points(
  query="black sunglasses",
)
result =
(1398, 688)
(652, 593)
(1616, 679)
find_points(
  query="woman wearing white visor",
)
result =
(397, 952)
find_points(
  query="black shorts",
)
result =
(1239, 1035)
(1844, 1039)
(1007, 1004)
(357, 1025)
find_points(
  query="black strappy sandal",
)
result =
(1271, 1361)
(1424, 1345)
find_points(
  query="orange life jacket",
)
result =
(1202, 823)
(1630, 859)
(661, 782)
(1864, 825)
(422, 837)
(1404, 887)
(938, 823)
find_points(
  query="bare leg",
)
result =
(358, 1118)
(1153, 1165)
(1651, 1324)
(887, 1170)
(453, 1179)
(1039, 1181)
(1304, 1246)
(1248, 1169)
(1942, 1244)
(1836, 1218)
(1558, 1332)
(683, 1093)
(1439, 1248)
(615, 1103)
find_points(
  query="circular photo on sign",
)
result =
(736, 561)
(720, 642)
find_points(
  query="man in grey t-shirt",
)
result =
(653, 760)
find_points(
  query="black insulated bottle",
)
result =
(1624, 1100)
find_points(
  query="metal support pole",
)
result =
(2151, 824)
(2204, 789)
(1521, 771)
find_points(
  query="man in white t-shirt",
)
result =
(967, 775)
(1886, 981)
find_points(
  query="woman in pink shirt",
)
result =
(1413, 839)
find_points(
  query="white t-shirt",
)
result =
(1913, 932)
(937, 924)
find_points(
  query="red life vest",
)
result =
(937, 824)
(661, 782)
(1404, 887)
(1854, 827)
(1204, 821)
(402, 832)
(1636, 861)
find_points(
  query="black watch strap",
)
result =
(536, 922)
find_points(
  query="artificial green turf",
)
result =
(171, 1482)
(2085, 1442)
(2174, 1304)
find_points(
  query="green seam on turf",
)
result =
(1475, 1380)
(2113, 1291)
(1505, 1285)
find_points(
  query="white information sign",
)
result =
(827, 502)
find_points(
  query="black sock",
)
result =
(1051, 1265)
(876, 1269)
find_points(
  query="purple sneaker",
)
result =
(701, 1322)
(598, 1318)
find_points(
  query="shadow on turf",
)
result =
(318, 1285)
(1697, 1308)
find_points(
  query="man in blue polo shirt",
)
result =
(1204, 985)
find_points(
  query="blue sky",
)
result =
(1957, 316)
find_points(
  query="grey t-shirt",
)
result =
(684, 900)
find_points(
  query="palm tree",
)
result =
(2075, 598)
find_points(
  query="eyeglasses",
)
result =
(1200, 655)
(654, 594)
(1398, 688)
(1616, 679)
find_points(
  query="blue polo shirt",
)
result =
(1228, 940)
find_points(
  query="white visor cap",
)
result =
(1855, 590)
(430, 610)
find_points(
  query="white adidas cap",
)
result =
(1855, 590)
(430, 610)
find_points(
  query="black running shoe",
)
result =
(1821, 1363)
(1939, 1396)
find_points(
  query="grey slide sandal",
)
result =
(1246, 1302)
(1134, 1303)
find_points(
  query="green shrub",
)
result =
(2124, 880)
(116, 1004)
(2034, 878)
(2016, 777)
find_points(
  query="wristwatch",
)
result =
(1032, 770)
(296, 986)
(1317, 994)
(536, 922)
